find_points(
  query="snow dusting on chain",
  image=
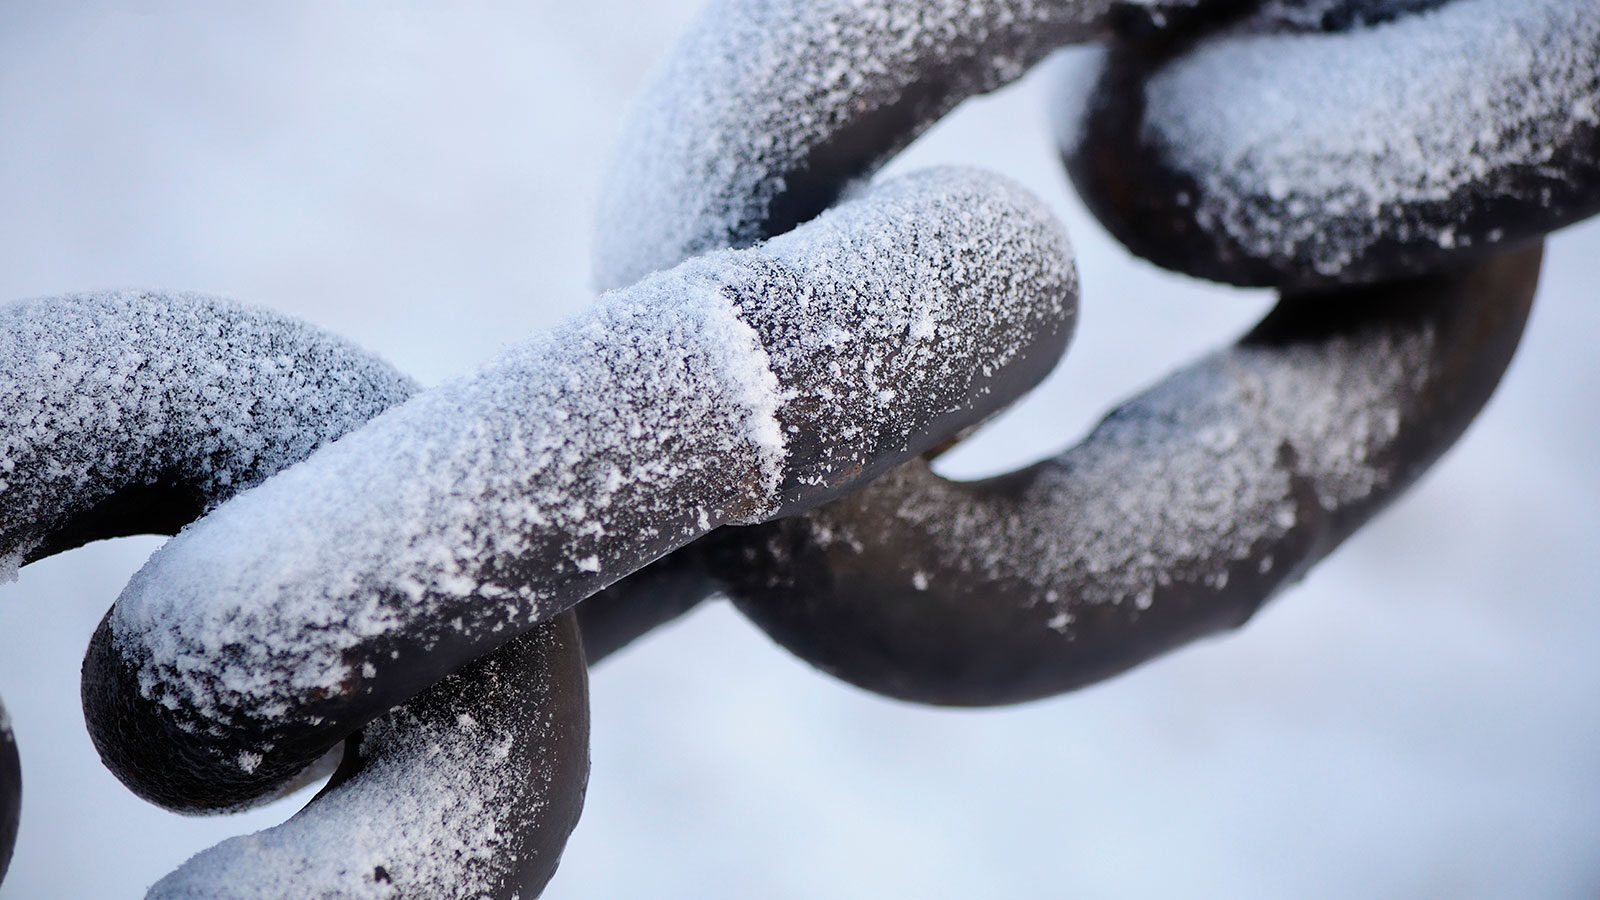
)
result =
(407, 586)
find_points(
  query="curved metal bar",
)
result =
(129, 413)
(134, 412)
(668, 588)
(767, 110)
(741, 386)
(1183, 512)
(468, 791)
(1274, 151)
(1179, 516)
(10, 792)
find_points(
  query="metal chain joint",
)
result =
(411, 599)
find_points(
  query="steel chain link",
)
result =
(714, 427)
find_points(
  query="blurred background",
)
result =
(1419, 718)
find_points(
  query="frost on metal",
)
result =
(1436, 130)
(766, 110)
(1176, 517)
(459, 794)
(190, 399)
(695, 398)
(1207, 468)
(138, 394)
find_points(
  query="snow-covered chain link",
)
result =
(409, 585)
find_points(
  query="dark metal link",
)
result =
(10, 791)
(285, 620)
(196, 399)
(1183, 512)
(136, 412)
(1179, 516)
(432, 558)
(766, 112)
(979, 618)
(1273, 152)
(468, 790)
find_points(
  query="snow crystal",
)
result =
(1287, 131)
(666, 409)
(762, 105)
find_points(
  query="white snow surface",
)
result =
(1412, 110)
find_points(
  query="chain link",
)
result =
(727, 418)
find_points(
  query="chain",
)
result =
(752, 409)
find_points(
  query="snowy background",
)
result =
(1421, 718)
